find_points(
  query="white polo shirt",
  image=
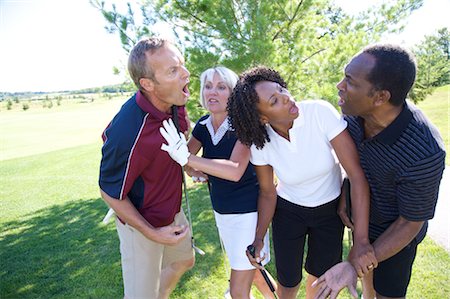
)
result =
(307, 169)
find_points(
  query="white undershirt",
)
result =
(217, 136)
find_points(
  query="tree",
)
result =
(307, 41)
(433, 64)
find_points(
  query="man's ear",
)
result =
(382, 97)
(147, 84)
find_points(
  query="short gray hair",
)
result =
(137, 61)
(228, 76)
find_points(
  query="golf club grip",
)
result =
(251, 249)
(175, 117)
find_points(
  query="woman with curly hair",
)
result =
(299, 142)
(233, 183)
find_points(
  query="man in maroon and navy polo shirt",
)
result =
(140, 181)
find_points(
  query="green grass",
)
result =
(54, 245)
(41, 130)
(437, 108)
(52, 241)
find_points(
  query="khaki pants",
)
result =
(143, 259)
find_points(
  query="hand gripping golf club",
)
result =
(198, 250)
(251, 249)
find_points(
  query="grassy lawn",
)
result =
(437, 108)
(40, 130)
(53, 244)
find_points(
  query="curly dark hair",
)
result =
(242, 111)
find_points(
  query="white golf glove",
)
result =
(176, 143)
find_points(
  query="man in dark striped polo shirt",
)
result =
(403, 157)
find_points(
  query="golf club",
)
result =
(348, 207)
(198, 250)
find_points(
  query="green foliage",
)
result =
(47, 103)
(433, 64)
(18, 95)
(124, 24)
(307, 41)
(9, 104)
(124, 87)
(25, 106)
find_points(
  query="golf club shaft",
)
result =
(177, 125)
(267, 279)
(251, 249)
(198, 250)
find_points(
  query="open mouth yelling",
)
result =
(186, 90)
(341, 100)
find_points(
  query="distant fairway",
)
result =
(41, 130)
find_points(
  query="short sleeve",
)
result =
(331, 122)
(199, 130)
(119, 168)
(418, 188)
(257, 156)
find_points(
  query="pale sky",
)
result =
(53, 45)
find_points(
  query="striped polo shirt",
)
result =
(403, 165)
(134, 166)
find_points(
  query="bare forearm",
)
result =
(266, 210)
(348, 157)
(225, 169)
(128, 213)
(360, 207)
(395, 238)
